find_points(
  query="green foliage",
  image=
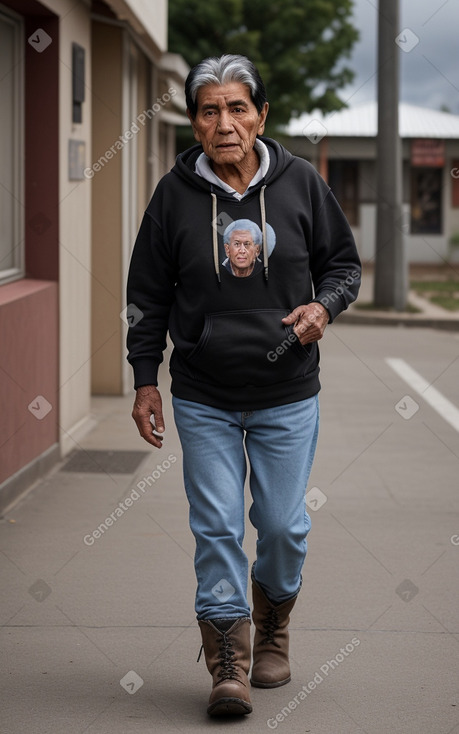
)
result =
(297, 45)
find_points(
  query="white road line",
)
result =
(431, 395)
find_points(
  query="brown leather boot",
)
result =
(271, 666)
(228, 661)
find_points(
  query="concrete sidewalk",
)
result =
(98, 626)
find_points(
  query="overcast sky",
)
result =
(429, 72)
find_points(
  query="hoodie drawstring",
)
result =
(263, 231)
(214, 236)
(264, 243)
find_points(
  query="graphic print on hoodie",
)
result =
(243, 243)
(231, 349)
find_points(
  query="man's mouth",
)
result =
(227, 145)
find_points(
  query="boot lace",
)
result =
(270, 626)
(228, 669)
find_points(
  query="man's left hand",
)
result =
(309, 322)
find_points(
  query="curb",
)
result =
(382, 319)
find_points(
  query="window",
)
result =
(11, 149)
(426, 200)
(343, 181)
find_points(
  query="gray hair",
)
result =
(223, 70)
(245, 225)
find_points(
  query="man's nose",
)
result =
(225, 122)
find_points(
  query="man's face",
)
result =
(241, 249)
(227, 122)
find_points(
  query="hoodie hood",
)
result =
(185, 164)
(280, 159)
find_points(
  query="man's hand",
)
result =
(309, 322)
(148, 403)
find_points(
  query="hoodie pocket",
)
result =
(250, 347)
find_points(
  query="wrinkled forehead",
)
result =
(241, 234)
(221, 95)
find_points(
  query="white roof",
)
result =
(362, 122)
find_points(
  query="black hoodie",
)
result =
(231, 349)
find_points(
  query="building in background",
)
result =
(90, 100)
(342, 146)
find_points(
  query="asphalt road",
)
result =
(100, 637)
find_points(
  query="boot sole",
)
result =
(276, 684)
(229, 707)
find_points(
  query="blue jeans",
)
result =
(280, 444)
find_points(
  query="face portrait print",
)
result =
(243, 241)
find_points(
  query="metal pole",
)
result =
(391, 272)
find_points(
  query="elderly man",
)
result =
(227, 394)
(242, 240)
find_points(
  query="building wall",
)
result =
(28, 384)
(144, 96)
(122, 87)
(106, 267)
(29, 359)
(420, 248)
(64, 315)
(147, 17)
(74, 235)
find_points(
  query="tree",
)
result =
(297, 45)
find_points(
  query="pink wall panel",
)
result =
(28, 372)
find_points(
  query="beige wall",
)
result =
(100, 215)
(143, 163)
(106, 85)
(121, 87)
(74, 233)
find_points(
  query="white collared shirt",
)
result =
(203, 169)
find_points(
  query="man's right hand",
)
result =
(148, 403)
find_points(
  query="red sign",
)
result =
(428, 152)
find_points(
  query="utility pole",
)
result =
(391, 271)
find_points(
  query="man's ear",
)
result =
(262, 117)
(226, 249)
(191, 119)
